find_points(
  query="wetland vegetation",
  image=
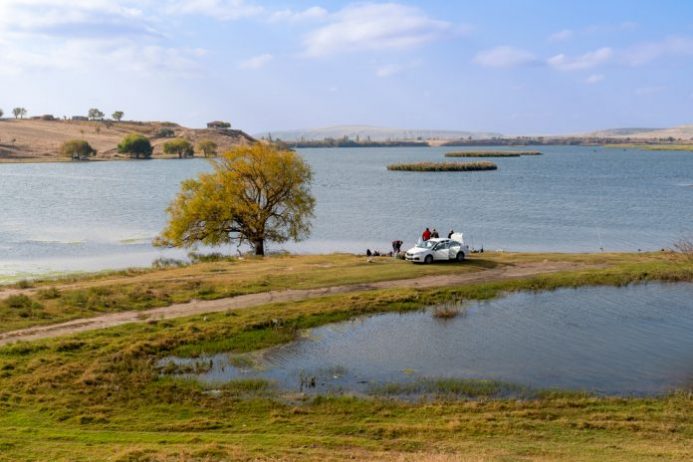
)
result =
(443, 167)
(99, 394)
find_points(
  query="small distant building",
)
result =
(47, 117)
(80, 118)
(219, 125)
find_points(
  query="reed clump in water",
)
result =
(492, 153)
(443, 167)
(449, 310)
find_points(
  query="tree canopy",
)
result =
(19, 112)
(208, 148)
(118, 115)
(179, 146)
(254, 194)
(77, 150)
(95, 114)
(136, 146)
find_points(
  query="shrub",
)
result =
(77, 150)
(136, 146)
(179, 146)
(208, 148)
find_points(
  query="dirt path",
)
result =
(246, 301)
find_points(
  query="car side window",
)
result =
(441, 246)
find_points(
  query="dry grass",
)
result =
(40, 140)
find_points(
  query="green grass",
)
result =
(492, 153)
(99, 396)
(443, 167)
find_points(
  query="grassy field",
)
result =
(99, 395)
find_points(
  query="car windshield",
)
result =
(426, 244)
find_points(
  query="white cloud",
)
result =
(586, 61)
(225, 10)
(310, 14)
(594, 78)
(374, 27)
(650, 51)
(256, 62)
(561, 36)
(504, 57)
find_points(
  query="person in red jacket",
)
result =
(426, 234)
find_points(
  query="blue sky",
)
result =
(529, 67)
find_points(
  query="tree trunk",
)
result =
(259, 245)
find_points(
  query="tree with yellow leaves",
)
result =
(255, 193)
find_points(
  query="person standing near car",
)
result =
(435, 233)
(452, 231)
(426, 235)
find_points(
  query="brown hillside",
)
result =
(40, 140)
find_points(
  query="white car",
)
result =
(439, 249)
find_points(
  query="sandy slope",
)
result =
(41, 140)
(251, 300)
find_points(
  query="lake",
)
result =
(604, 340)
(59, 217)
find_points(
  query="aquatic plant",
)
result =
(449, 310)
(443, 167)
(492, 153)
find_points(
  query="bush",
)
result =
(208, 148)
(136, 145)
(179, 146)
(77, 150)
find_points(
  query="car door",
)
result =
(441, 251)
(453, 249)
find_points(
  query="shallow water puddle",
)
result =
(605, 340)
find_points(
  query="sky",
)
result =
(514, 67)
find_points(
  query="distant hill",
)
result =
(32, 139)
(365, 132)
(620, 132)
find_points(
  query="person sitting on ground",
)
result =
(396, 246)
(426, 235)
(452, 231)
(435, 233)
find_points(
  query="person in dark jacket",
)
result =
(452, 231)
(397, 246)
(426, 235)
(435, 233)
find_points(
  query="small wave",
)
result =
(685, 185)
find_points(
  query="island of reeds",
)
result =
(443, 167)
(492, 153)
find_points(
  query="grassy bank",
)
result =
(492, 153)
(98, 395)
(32, 303)
(443, 167)
(653, 147)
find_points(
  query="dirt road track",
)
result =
(247, 301)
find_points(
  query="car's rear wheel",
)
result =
(460, 256)
(428, 259)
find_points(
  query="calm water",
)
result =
(86, 216)
(606, 340)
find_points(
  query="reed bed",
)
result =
(443, 167)
(492, 153)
